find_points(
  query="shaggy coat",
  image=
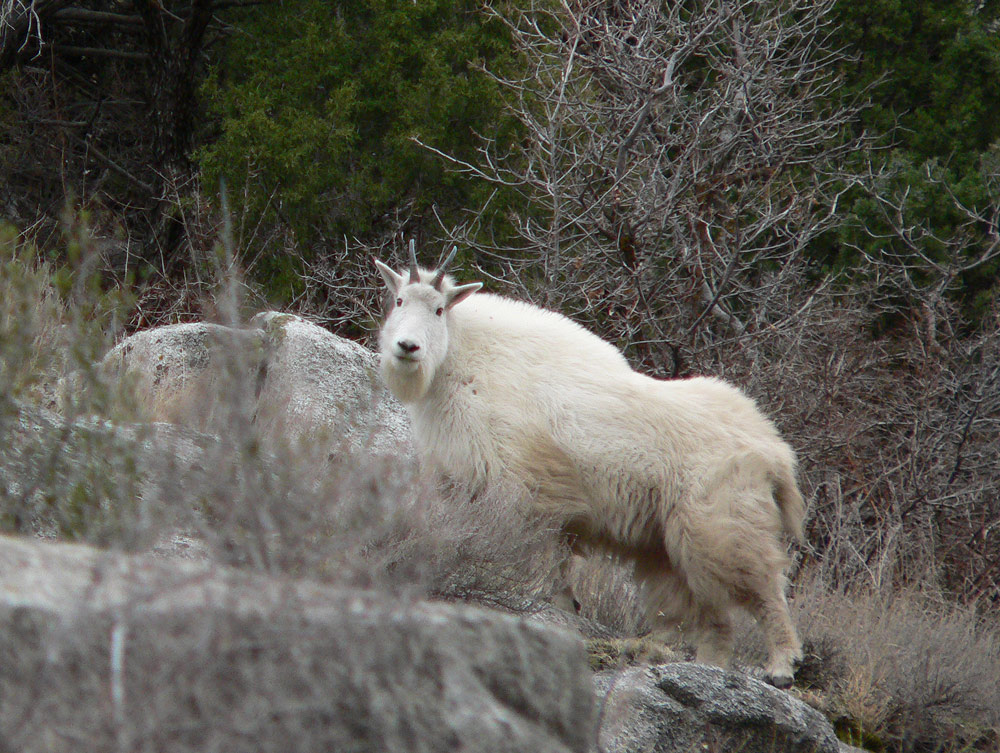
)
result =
(686, 478)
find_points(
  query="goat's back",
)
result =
(529, 394)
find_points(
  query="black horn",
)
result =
(414, 274)
(443, 267)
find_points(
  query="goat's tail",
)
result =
(791, 503)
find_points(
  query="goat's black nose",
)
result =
(407, 347)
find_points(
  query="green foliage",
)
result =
(932, 74)
(930, 68)
(317, 103)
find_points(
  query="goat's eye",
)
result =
(439, 311)
(399, 301)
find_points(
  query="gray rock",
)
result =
(92, 478)
(186, 373)
(318, 385)
(846, 748)
(298, 387)
(102, 651)
(276, 431)
(675, 708)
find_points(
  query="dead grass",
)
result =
(617, 653)
(609, 595)
(902, 670)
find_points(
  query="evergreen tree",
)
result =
(931, 71)
(317, 104)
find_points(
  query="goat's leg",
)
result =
(770, 607)
(714, 637)
(566, 597)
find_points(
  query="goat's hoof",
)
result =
(782, 682)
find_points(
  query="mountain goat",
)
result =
(685, 478)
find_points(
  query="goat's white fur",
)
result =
(687, 478)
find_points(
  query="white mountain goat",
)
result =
(685, 478)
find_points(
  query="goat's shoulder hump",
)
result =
(533, 326)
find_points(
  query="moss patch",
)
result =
(615, 653)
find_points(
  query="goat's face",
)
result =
(414, 337)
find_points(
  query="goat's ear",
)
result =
(393, 281)
(460, 292)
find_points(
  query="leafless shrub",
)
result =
(610, 595)
(675, 167)
(909, 671)
(362, 520)
(896, 442)
(340, 291)
(484, 549)
(670, 156)
(61, 474)
(29, 323)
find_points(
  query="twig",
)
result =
(96, 16)
(99, 52)
(110, 163)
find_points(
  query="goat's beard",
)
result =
(407, 380)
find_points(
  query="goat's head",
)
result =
(414, 337)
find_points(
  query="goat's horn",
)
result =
(414, 274)
(443, 267)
